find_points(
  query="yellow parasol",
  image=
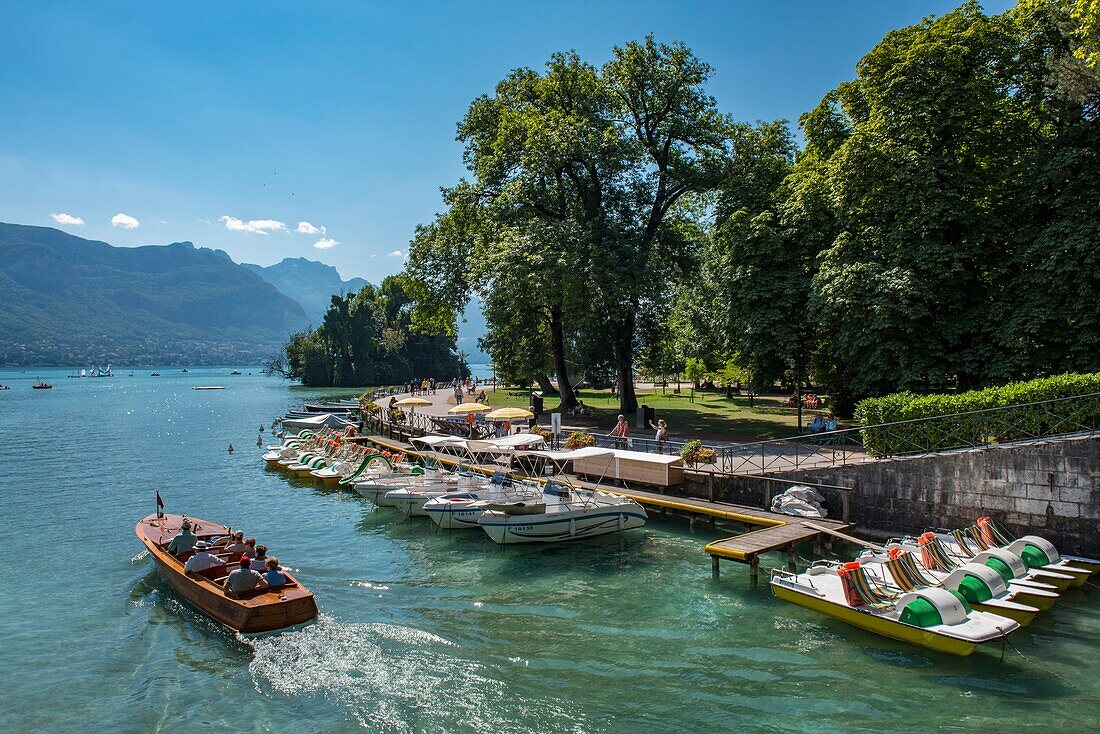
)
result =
(508, 414)
(413, 401)
(470, 408)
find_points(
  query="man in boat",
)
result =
(183, 541)
(236, 545)
(274, 575)
(244, 579)
(203, 559)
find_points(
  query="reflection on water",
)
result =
(431, 631)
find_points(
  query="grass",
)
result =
(712, 415)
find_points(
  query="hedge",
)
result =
(970, 430)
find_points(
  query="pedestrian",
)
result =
(621, 432)
(662, 434)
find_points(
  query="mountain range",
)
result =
(308, 282)
(75, 302)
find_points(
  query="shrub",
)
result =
(695, 453)
(579, 439)
(955, 431)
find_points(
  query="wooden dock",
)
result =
(772, 531)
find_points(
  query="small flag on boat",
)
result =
(160, 505)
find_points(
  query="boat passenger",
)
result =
(250, 548)
(274, 575)
(183, 541)
(237, 545)
(259, 561)
(203, 559)
(244, 579)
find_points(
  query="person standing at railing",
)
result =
(662, 434)
(621, 432)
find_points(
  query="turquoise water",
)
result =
(425, 632)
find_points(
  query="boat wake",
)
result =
(397, 679)
(140, 557)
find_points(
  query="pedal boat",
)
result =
(936, 558)
(1036, 552)
(262, 611)
(981, 586)
(934, 618)
(965, 544)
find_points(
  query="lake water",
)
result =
(424, 632)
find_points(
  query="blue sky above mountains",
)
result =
(325, 129)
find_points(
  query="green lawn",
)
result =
(711, 416)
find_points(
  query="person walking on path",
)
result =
(621, 432)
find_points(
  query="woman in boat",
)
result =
(274, 575)
(259, 561)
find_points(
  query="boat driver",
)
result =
(184, 541)
(203, 559)
(244, 579)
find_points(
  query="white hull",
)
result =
(563, 524)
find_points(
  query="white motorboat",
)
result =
(374, 488)
(568, 514)
(411, 500)
(464, 509)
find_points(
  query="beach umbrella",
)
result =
(470, 408)
(508, 414)
(413, 402)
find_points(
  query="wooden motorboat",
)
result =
(263, 611)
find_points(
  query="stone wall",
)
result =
(1049, 488)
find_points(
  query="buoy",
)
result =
(230, 448)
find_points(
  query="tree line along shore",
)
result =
(935, 226)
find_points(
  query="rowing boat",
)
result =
(263, 611)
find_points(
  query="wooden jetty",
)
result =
(772, 531)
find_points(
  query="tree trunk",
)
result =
(624, 365)
(544, 383)
(557, 344)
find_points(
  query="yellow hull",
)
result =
(1041, 602)
(878, 625)
(329, 481)
(1083, 564)
(304, 473)
(1024, 617)
(1059, 584)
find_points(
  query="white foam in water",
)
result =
(395, 678)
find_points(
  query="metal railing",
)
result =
(973, 429)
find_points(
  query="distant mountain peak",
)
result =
(309, 282)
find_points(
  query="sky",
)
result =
(325, 129)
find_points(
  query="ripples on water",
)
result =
(428, 632)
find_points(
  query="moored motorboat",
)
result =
(933, 617)
(261, 611)
(464, 509)
(567, 514)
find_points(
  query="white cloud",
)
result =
(125, 221)
(255, 226)
(63, 218)
(397, 253)
(325, 243)
(307, 228)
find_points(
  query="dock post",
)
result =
(714, 567)
(754, 570)
(792, 559)
(710, 485)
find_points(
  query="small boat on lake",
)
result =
(207, 387)
(931, 617)
(235, 372)
(265, 610)
(155, 374)
(40, 385)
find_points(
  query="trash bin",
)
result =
(536, 403)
